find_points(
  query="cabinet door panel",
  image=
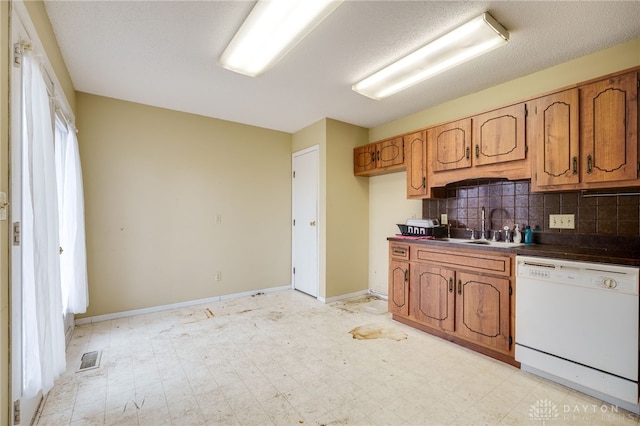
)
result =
(609, 129)
(433, 296)
(451, 145)
(399, 288)
(483, 310)
(555, 121)
(364, 159)
(390, 153)
(499, 136)
(416, 145)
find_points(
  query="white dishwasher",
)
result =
(577, 324)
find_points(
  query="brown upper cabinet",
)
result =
(451, 145)
(555, 132)
(583, 137)
(490, 138)
(609, 133)
(416, 151)
(499, 136)
(488, 145)
(587, 137)
(379, 158)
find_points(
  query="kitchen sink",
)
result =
(480, 242)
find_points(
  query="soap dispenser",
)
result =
(517, 236)
(528, 236)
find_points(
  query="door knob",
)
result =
(312, 223)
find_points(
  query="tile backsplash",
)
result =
(597, 218)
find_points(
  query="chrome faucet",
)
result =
(483, 230)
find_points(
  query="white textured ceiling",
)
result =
(164, 53)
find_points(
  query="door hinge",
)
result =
(294, 270)
(3, 205)
(294, 174)
(16, 233)
(16, 412)
(294, 222)
(17, 55)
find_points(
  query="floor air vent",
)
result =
(90, 360)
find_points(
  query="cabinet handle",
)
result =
(450, 285)
(397, 251)
(406, 275)
(373, 157)
(467, 152)
(424, 181)
(575, 165)
(589, 164)
(459, 286)
(378, 155)
(477, 151)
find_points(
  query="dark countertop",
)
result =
(619, 256)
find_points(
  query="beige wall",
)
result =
(387, 193)
(388, 205)
(343, 212)
(155, 181)
(347, 217)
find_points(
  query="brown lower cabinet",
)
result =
(462, 295)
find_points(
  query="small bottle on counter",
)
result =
(528, 235)
(517, 236)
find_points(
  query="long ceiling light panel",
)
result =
(270, 31)
(466, 42)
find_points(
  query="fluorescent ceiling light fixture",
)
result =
(472, 39)
(270, 31)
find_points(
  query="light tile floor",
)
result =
(284, 358)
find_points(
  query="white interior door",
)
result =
(23, 409)
(305, 220)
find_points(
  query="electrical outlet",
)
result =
(218, 219)
(562, 221)
(444, 219)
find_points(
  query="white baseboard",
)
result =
(124, 314)
(378, 294)
(350, 295)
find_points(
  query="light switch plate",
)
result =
(562, 221)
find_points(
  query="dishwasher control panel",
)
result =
(623, 279)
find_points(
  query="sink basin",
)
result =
(480, 242)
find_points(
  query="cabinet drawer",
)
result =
(399, 251)
(474, 261)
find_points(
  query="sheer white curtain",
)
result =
(73, 261)
(43, 330)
